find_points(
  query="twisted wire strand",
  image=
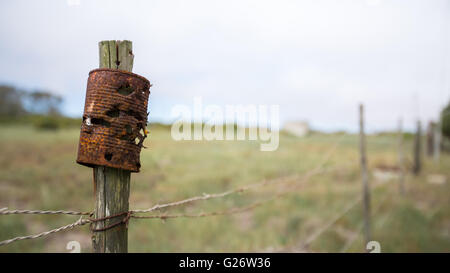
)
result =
(206, 214)
(5, 211)
(80, 222)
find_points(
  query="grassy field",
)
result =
(38, 171)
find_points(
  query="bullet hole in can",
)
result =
(124, 137)
(128, 129)
(114, 113)
(108, 156)
(134, 114)
(125, 89)
(100, 121)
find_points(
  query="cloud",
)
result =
(317, 59)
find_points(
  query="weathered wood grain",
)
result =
(112, 186)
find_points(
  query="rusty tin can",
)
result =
(114, 119)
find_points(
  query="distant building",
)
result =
(297, 128)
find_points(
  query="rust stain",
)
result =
(114, 119)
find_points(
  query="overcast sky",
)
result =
(317, 59)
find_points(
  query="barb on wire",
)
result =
(80, 222)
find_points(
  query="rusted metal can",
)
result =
(114, 119)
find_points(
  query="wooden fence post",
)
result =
(430, 138)
(401, 158)
(417, 150)
(112, 186)
(364, 175)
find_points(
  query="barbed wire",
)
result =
(130, 214)
(5, 211)
(83, 221)
(206, 214)
(80, 222)
(204, 196)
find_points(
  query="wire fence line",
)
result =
(305, 243)
(206, 214)
(204, 196)
(332, 221)
(130, 214)
(83, 221)
(328, 225)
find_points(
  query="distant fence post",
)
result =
(437, 139)
(401, 158)
(417, 150)
(430, 138)
(364, 176)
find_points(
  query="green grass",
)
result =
(38, 171)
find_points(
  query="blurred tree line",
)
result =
(40, 108)
(446, 121)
